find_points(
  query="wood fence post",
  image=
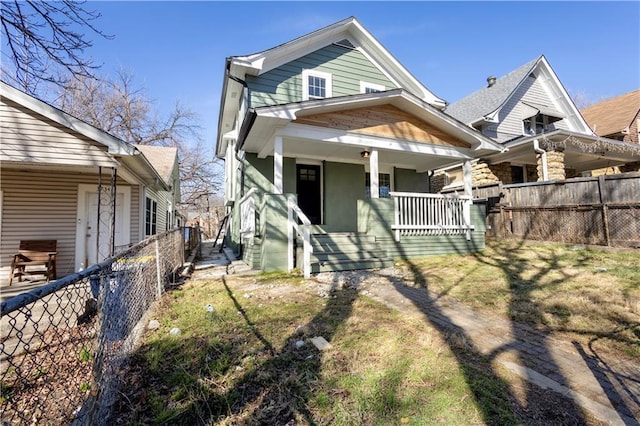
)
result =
(605, 208)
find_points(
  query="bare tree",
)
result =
(43, 38)
(123, 109)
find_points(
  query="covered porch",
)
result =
(322, 164)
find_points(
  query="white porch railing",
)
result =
(418, 214)
(248, 214)
(294, 214)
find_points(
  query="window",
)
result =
(316, 84)
(370, 87)
(150, 217)
(384, 185)
(518, 174)
(538, 124)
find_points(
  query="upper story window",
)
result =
(538, 124)
(370, 87)
(316, 84)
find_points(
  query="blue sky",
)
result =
(177, 49)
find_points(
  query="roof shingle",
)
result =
(613, 115)
(488, 99)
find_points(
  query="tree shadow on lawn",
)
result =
(498, 403)
(275, 392)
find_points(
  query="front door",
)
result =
(91, 247)
(308, 188)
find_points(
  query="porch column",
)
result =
(373, 173)
(277, 165)
(467, 171)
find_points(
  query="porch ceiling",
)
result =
(581, 152)
(321, 144)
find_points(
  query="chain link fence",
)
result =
(63, 345)
(604, 224)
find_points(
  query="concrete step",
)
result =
(350, 265)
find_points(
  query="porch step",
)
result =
(349, 265)
(345, 252)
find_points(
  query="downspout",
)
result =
(543, 157)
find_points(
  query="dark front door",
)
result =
(308, 188)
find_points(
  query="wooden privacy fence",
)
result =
(602, 210)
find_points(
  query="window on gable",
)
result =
(316, 84)
(150, 217)
(371, 87)
(538, 124)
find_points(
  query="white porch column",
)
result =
(277, 165)
(468, 191)
(467, 178)
(373, 173)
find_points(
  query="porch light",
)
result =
(365, 154)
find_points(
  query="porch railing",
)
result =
(418, 214)
(248, 214)
(294, 214)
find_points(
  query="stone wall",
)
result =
(630, 167)
(437, 182)
(555, 166)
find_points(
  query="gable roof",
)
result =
(237, 67)
(113, 144)
(488, 99)
(613, 115)
(137, 165)
(348, 29)
(484, 104)
(265, 120)
(162, 158)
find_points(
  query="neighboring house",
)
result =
(165, 161)
(332, 124)
(617, 118)
(60, 174)
(529, 112)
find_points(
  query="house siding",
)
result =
(344, 184)
(410, 181)
(43, 205)
(511, 115)
(30, 137)
(348, 68)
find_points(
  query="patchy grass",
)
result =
(588, 295)
(241, 365)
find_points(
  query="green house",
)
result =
(329, 143)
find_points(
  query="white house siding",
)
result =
(30, 137)
(41, 204)
(348, 68)
(510, 116)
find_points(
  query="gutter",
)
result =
(543, 156)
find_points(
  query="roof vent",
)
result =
(491, 80)
(345, 43)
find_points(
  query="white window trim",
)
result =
(305, 83)
(364, 85)
(144, 230)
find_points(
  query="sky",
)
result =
(177, 50)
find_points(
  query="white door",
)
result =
(91, 249)
(99, 252)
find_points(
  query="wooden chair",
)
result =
(40, 254)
